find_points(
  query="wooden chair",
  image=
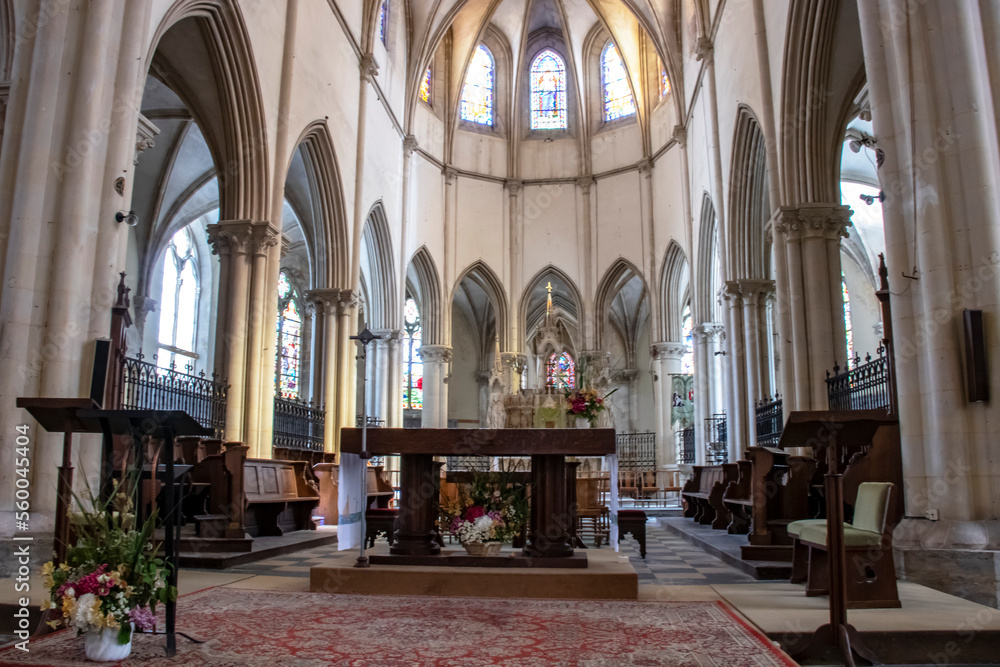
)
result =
(592, 515)
(628, 484)
(669, 481)
(871, 572)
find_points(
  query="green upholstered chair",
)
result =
(871, 573)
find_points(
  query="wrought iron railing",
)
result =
(636, 451)
(685, 446)
(146, 386)
(373, 422)
(770, 421)
(716, 439)
(863, 387)
(298, 425)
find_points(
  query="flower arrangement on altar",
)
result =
(494, 509)
(586, 403)
(112, 577)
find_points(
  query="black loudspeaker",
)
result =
(102, 349)
(976, 375)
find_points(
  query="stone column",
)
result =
(394, 383)
(435, 359)
(666, 363)
(755, 294)
(809, 235)
(233, 240)
(704, 389)
(347, 366)
(258, 397)
(316, 313)
(736, 385)
(326, 362)
(942, 226)
(515, 263)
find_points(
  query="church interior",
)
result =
(703, 293)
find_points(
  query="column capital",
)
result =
(143, 305)
(230, 237)
(709, 331)
(755, 291)
(346, 301)
(585, 183)
(730, 292)
(409, 144)
(285, 245)
(829, 221)
(434, 353)
(144, 134)
(450, 175)
(680, 135)
(368, 66)
(265, 235)
(324, 299)
(667, 350)
(646, 167)
(624, 375)
(514, 186)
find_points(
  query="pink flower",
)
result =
(474, 513)
(143, 618)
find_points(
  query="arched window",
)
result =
(477, 94)
(425, 87)
(383, 22)
(664, 83)
(289, 340)
(548, 92)
(413, 369)
(847, 321)
(687, 335)
(179, 301)
(560, 372)
(618, 101)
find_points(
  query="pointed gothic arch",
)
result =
(749, 206)
(483, 276)
(329, 244)
(675, 292)
(707, 282)
(616, 278)
(422, 274)
(231, 117)
(571, 303)
(382, 309)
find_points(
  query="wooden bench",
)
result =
(703, 494)
(634, 522)
(278, 497)
(222, 512)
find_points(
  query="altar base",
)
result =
(603, 578)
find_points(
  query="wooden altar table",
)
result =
(550, 525)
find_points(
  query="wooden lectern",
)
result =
(835, 433)
(549, 530)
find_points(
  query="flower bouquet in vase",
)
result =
(111, 579)
(585, 405)
(492, 512)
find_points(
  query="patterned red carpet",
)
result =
(258, 628)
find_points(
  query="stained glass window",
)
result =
(560, 372)
(413, 369)
(664, 83)
(847, 321)
(687, 335)
(425, 87)
(477, 95)
(618, 101)
(383, 21)
(548, 92)
(178, 301)
(288, 340)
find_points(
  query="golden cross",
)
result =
(549, 287)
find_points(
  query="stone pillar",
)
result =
(394, 383)
(809, 236)
(347, 366)
(942, 226)
(233, 241)
(436, 359)
(736, 383)
(258, 397)
(326, 362)
(755, 294)
(703, 390)
(666, 363)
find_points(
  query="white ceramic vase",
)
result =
(582, 422)
(103, 646)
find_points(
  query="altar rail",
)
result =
(146, 386)
(770, 421)
(863, 387)
(636, 451)
(298, 425)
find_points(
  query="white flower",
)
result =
(87, 614)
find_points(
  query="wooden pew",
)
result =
(279, 499)
(703, 494)
(328, 475)
(737, 499)
(223, 509)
